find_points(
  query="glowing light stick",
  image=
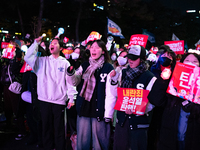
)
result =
(166, 73)
(43, 35)
(60, 31)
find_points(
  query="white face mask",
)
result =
(113, 57)
(189, 63)
(121, 60)
(74, 55)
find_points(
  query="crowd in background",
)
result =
(92, 74)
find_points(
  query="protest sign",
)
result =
(198, 47)
(176, 46)
(25, 68)
(138, 39)
(134, 99)
(8, 52)
(185, 82)
(67, 52)
(4, 45)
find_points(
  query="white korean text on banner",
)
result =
(133, 99)
(176, 46)
(9, 52)
(185, 82)
(138, 39)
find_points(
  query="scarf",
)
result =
(132, 73)
(89, 78)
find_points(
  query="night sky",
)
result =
(182, 5)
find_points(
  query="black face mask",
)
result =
(165, 61)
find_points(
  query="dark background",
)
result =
(160, 17)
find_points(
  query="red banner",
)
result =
(176, 46)
(134, 99)
(138, 39)
(25, 68)
(65, 40)
(4, 45)
(8, 52)
(198, 47)
(185, 82)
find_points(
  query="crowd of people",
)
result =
(84, 85)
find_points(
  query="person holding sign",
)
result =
(131, 129)
(180, 126)
(94, 113)
(165, 64)
(53, 91)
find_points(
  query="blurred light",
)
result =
(101, 7)
(58, 2)
(68, 26)
(108, 1)
(108, 4)
(191, 11)
(197, 17)
(69, 44)
(0, 31)
(94, 4)
(20, 34)
(93, 9)
(4, 31)
(16, 21)
(194, 51)
(43, 35)
(16, 33)
(13, 37)
(47, 39)
(61, 30)
(199, 11)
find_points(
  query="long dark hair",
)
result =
(103, 46)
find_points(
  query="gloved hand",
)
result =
(70, 69)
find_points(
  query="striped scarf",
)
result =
(132, 73)
(89, 78)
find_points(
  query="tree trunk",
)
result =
(78, 21)
(39, 24)
(21, 22)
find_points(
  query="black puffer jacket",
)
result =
(170, 119)
(14, 69)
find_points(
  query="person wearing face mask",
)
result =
(180, 126)
(114, 59)
(76, 57)
(131, 129)
(76, 61)
(122, 63)
(166, 59)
